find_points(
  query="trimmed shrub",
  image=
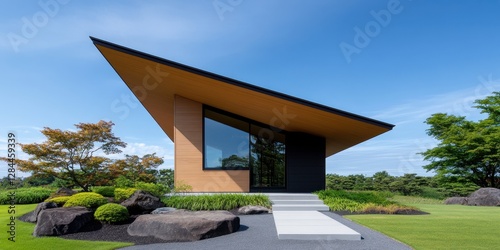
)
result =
(106, 191)
(60, 201)
(122, 194)
(111, 213)
(216, 201)
(157, 190)
(24, 195)
(87, 199)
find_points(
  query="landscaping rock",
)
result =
(485, 197)
(163, 210)
(32, 216)
(185, 225)
(142, 203)
(64, 192)
(253, 210)
(64, 220)
(456, 201)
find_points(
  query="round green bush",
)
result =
(111, 213)
(87, 199)
(60, 201)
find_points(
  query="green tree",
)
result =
(408, 184)
(381, 181)
(36, 180)
(334, 181)
(468, 149)
(137, 169)
(165, 177)
(73, 156)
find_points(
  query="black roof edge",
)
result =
(245, 85)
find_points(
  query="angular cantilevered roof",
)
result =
(155, 81)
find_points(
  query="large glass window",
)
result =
(237, 143)
(226, 141)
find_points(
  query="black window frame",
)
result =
(206, 107)
(241, 118)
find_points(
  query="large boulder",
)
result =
(253, 210)
(33, 215)
(163, 210)
(456, 201)
(60, 221)
(142, 203)
(485, 197)
(185, 225)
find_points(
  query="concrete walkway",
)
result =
(311, 225)
(296, 217)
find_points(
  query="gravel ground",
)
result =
(256, 232)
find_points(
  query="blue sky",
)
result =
(396, 61)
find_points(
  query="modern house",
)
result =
(231, 136)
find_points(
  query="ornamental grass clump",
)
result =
(363, 202)
(216, 201)
(24, 195)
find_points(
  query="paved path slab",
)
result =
(311, 225)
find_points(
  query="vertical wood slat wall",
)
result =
(188, 140)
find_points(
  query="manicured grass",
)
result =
(446, 227)
(25, 240)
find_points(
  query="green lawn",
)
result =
(446, 227)
(25, 240)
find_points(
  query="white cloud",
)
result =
(141, 149)
(397, 150)
(458, 102)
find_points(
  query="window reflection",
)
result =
(267, 149)
(226, 141)
(232, 143)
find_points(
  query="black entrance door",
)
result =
(267, 160)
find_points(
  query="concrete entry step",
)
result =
(311, 225)
(297, 202)
(302, 207)
(291, 196)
